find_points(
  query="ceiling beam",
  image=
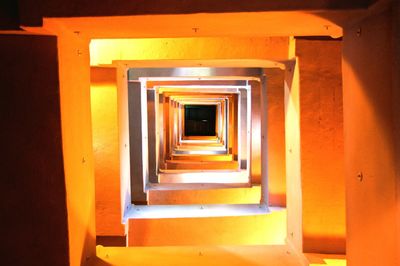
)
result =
(31, 13)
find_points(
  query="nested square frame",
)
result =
(141, 83)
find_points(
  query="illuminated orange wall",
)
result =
(104, 106)
(371, 130)
(276, 137)
(321, 126)
(103, 93)
(104, 51)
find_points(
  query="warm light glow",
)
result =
(245, 195)
(203, 176)
(251, 230)
(336, 262)
(266, 229)
(316, 259)
(331, 262)
(198, 157)
(105, 147)
(199, 50)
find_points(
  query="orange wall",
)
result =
(104, 106)
(276, 136)
(321, 126)
(369, 101)
(104, 51)
(103, 94)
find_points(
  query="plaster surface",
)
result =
(322, 162)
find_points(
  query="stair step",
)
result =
(211, 158)
(253, 228)
(280, 255)
(175, 194)
(203, 176)
(198, 210)
(200, 165)
(194, 186)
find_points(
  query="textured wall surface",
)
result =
(103, 93)
(369, 138)
(321, 125)
(104, 51)
(276, 136)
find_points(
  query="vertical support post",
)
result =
(264, 140)
(124, 147)
(137, 103)
(255, 143)
(244, 127)
(293, 157)
(151, 129)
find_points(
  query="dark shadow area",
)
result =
(111, 241)
(32, 12)
(32, 184)
(325, 245)
(200, 120)
(9, 15)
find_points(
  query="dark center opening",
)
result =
(200, 120)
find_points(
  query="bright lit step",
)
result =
(200, 165)
(197, 210)
(206, 194)
(194, 186)
(189, 157)
(276, 255)
(192, 225)
(203, 176)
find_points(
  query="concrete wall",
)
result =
(104, 51)
(370, 134)
(321, 126)
(34, 227)
(103, 94)
(276, 136)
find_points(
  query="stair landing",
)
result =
(279, 255)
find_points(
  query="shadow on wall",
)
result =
(369, 137)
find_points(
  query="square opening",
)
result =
(200, 120)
